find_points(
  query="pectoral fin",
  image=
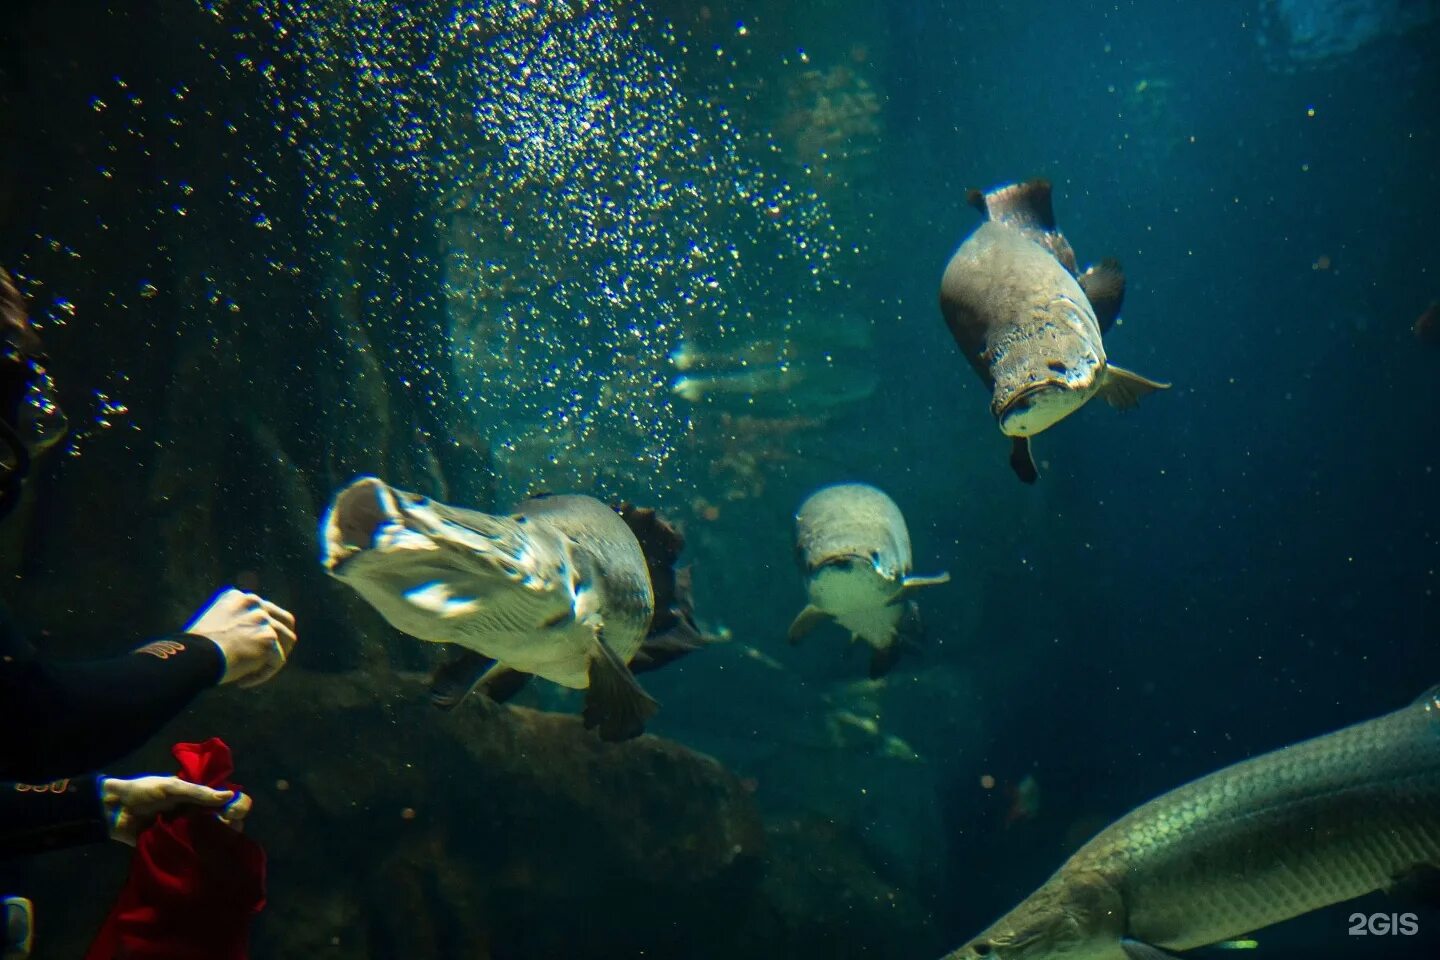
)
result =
(809, 618)
(459, 673)
(615, 702)
(910, 583)
(1138, 950)
(502, 683)
(464, 671)
(659, 649)
(1021, 462)
(1123, 389)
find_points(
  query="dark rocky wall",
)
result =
(253, 392)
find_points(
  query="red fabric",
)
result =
(194, 883)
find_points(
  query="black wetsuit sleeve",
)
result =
(60, 719)
(38, 817)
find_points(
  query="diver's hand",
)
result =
(132, 805)
(255, 635)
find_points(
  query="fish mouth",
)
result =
(351, 525)
(422, 564)
(1038, 406)
(369, 518)
(844, 562)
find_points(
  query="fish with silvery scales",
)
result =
(1030, 324)
(854, 548)
(1270, 838)
(560, 588)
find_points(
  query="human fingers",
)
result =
(278, 613)
(236, 810)
(277, 642)
(274, 660)
(177, 792)
(286, 635)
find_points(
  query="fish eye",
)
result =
(1057, 365)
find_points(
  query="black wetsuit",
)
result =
(58, 720)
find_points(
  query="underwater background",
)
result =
(475, 247)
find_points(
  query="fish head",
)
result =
(1038, 406)
(1044, 373)
(1070, 918)
(434, 571)
(877, 564)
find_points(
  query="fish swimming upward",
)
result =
(1262, 841)
(1029, 324)
(559, 588)
(854, 547)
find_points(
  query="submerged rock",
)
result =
(494, 828)
(396, 830)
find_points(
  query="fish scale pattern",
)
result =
(1278, 835)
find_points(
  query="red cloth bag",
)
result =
(194, 884)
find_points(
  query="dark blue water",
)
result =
(1251, 556)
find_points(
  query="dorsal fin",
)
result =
(1020, 204)
(1104, 286)
(661, 544)
(673, 631)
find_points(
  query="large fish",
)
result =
(1028, 323)
(559, 588)
(853, 545)
(1262, 841)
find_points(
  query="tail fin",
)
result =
(1025, 205)
(673, 630)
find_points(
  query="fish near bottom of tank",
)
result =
(564, 588)
(854, 548)
(1303, 827)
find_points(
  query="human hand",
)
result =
(255, 635)
(132, 805)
